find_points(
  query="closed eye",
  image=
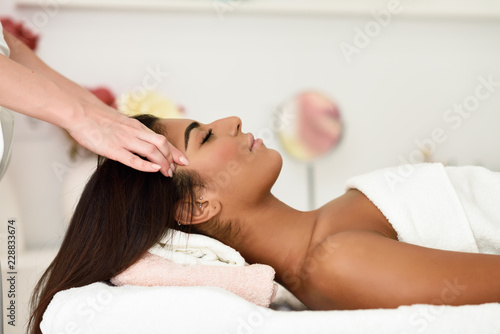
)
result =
(207, 136)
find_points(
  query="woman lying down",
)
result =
(396, 237)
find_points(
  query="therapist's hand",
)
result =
(107, 132)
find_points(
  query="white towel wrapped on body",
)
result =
(449, 208)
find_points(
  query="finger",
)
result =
(162, 145)
(177, 155)
(151, 152)
(155, 139)
(136, 162)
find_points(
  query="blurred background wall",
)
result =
(397, 86)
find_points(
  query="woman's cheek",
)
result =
(226, 153)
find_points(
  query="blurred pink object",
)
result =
(319, 127)
(18, 29)
(254, 282)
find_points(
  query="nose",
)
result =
(232, 124)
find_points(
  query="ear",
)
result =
(202, 211)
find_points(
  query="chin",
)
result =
(276, 163)
(280, 158)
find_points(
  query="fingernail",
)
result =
(184, 161)
(155, 166)
(172, 167)
(170, 173)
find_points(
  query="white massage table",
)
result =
(99, 308)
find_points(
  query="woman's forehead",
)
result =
(175, 130)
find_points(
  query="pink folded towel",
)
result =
(253, 282)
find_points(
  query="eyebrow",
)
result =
(190, 127)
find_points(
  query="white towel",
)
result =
(449, 208)
(186, 248)
(100, 309)
(479, 192)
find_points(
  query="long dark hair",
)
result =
(120, 215)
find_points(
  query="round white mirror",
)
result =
(310, 125)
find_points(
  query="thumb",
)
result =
(177, 155)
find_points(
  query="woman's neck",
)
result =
(275, 234)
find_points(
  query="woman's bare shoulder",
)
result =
(363, 269)
(351, 211)
(326, 274)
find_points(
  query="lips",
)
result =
(253, 142)
(251, 139)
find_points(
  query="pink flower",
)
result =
(105, 95)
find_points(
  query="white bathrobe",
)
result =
(449, 208)
(4, 48)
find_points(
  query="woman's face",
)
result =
(237, 166)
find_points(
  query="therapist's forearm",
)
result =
(30, 93)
